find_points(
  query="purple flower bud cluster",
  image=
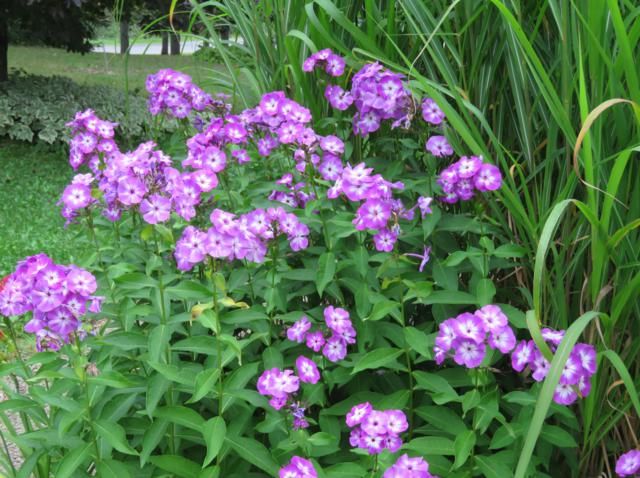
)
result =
(374, 430)
(379, 211)
(577, 371)
(334, 344)
(298, 467)
(174, 93)
(242, 237)
(466, 336)
(57, 296)
(406, 467)
(628, 464)
(333, 64)
(469, 174)
(296, 196)
(91, 137)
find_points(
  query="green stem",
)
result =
(6, 450)
(87, 399)
(407, 356)
(218, 343)
(375, 466)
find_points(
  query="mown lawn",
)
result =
(31, 181)
(102, 68)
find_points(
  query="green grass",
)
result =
(31, 181)
(102, 68)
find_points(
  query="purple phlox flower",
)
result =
(298, 467)
(431, 112)
(384, 240)
(628, 464)
(336, 318)
(424, 257)
(358, 413)
(315, 340)
(424, 204)
(469, 353)
(156, 209)
(439, 146)
(492, 317)
(334, 349)
(406, 467)
(298, 331)
(307, 370)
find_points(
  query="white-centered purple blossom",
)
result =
(439, 146)
(628, 464)
(333, 64)
(298, 467)
(173, 92)
(407, 467)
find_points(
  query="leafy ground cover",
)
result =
(31, 179)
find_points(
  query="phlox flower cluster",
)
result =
(469, 174)
(577, 371)
(57, 296)
(628, 464)
(240, 237)
(298, 467)
(379, 95)
(91, 137)
(379, 210)
(174, 93)
(276, 122)
(296, 196)
(333, 64)
(407, 467)
(282, 385)
(143, 180)
(466, 336)
(374, 430)
(333, 344)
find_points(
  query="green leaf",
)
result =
(180, 415)
(418, 341)
(384, 308)
(112, 469)
(443, 418)
(177, 465)
(201, 344)
(72, 461)
(115, 435)
(442, 392)
(214, 432)
(254, 452)
(205, 381)
(558, 436)
(152, 437)
(345, 470)
(449, 297)
(485, 292)
(463, 447)
(432, 446)
(492, 467)
(326, 271)
(377, 358)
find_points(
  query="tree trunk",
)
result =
(4, 46)
(175, 43)
(124, 35)
(165, 44)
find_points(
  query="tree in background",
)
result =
(60, 23)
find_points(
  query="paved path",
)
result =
(146, 47)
